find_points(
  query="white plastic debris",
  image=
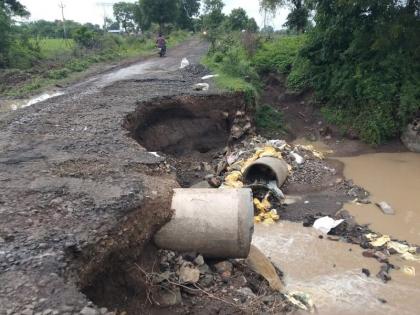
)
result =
(155, 154)
(299, 159)
(206, 77)
(184, 63)
(279, 144)
(386, 208)
(325, 224)
(272, 185)
(201, 87)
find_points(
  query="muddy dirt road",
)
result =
(78, 194)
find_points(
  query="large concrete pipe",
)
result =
(266, 169)
(214, 222)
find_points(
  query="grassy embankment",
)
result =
(241, 61)
(62, 61)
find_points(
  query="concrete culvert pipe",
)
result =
(214, 222)
(266, 169)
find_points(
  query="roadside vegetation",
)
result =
(361, 59)
(34, 55)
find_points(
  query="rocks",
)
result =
(383, 274)
(411, 136)
(224, 268)
(366, 272)
(381, 257)
(89, 311)
(199, 260)
(189, 274)
(386, 208)
(167, 297)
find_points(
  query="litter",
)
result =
(298, 159)
(400, 248)
(380, 241)
(206, 77)
(410, 257)
(409, 271)
(184, 63)
(155, 154)
(201, 87)
(301, 300)
(386, 208)
(326, 224)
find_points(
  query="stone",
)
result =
(169, 297)
(381, 257)
(88, 311)
(199, 260)
(366, 272)
(204, 268)
(206, 281)
(246, 292)
(215, 182)
(386, 208)
(189, 274)
(224, 267)
(411, 136)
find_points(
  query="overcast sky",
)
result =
(92, 11)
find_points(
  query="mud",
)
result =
(390, 177)
(331, 272)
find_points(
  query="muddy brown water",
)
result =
(331, 273)
(390, 177)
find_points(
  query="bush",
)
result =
(278, 55)
(58, 74)
(268, 118)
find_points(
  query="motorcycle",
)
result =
(162, 51)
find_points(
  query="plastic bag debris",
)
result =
(279, 144)
(298, 159)
(380, 241)
(326, 224)
(301, 300)
(201, 87)
(184, 63)
(206, 77)
(400, 248)
(385, 208)
(409, 271)
(410, 257)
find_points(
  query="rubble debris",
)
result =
(184, 63)
(188, 273)
(326, 224)
(366, 272)
(231, 282)
(386, 208)
(201, 87)
(301, 300)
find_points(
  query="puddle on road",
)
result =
(390, 177)
(332, 274)
(9, 105)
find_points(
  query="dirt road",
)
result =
(76, 191)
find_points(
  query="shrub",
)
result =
(268, 118)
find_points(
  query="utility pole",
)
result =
(62, 6)
(104, 6)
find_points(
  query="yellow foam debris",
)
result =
(234, 179)
(400, 248)
(409, 271)
(410, 257)
(380, 241)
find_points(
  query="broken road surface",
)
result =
(75, 190)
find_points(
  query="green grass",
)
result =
(62, 62)
(53, 47)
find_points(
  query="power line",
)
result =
(62, 6)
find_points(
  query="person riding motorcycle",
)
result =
(161, 44)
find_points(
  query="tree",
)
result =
(252, 25)
(160, 11)
(125, 14)
(213, 18)
(364, 63)
(188, 10)
(8, 9)
(298, 18)
(238, 19)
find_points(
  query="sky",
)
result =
(93, 11)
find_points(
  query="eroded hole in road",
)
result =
(190, 130)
